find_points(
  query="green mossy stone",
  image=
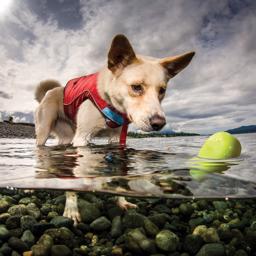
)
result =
(27, 222)
(167, 240)
(4, 232)
(17, 244)
(150, 228)
(192, 243)
(100, 224)
(220, 145)
(39, 250)
(116, 229)
(13, 222)
(213, 249)
(4, 205)
(28, 238)
(18, 210)
(133, 219)
(60, 250)
(88, 211)
(61, 221)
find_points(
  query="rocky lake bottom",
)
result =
(32, 224)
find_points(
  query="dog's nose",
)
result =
(157, 122)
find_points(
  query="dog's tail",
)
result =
(45, 86)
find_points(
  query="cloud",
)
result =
(217, 91)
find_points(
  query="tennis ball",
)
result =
(220, 145)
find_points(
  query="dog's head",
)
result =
(139, 83)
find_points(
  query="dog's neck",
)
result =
(105, 85)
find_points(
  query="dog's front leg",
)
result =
(71, 207)
(124, 204)
(89, 122)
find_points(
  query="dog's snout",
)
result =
(157, 122)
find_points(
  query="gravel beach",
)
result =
(16, 130)
(32, 224)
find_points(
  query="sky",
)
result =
(62, 39)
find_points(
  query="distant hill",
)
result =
(243, 129)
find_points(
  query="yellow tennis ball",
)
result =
(220, 145)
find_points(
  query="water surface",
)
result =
(151, 167)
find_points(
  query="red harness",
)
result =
(82, 88)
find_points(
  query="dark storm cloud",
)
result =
(62, 39)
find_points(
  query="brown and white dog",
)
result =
(132, 84)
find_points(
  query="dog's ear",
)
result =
(174, 65)
(121, 53)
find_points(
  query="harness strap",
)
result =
(123, 135)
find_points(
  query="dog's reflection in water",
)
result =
(104, 169)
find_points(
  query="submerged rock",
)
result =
(27, 222)
(88, 211)
(137, 242)
(214, 249)
(4, 232)
(61, 221)
(28, 238)
(132, 219)
(192, 243)
(17, 244)
(60, 250)
(100, 224)
(116, 229)
(167, 240)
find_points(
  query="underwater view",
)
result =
(186, 205)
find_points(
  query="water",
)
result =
(151, 167)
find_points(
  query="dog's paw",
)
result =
(124, 204)
(71, 208)
(73, 214)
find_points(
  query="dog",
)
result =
(129, 89)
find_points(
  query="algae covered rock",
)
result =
(167, 240)
(28, 238)
(17, 244)
(60, 250)
(192, 243)
(100, 224)
(88, 211)
(213, 249)
(137, 242)
(209, 235)
(132, 219)
(61, 221)
(116, 229)
(150, 228)
(4, 232)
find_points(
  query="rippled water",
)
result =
(158, 167)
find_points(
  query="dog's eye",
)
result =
(137, 88)
(162, 90)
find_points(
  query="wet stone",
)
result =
(27, 222)
(4, 205)
(4, 232)
(133, 219)
(28, 238)
(88, 211)
(61, 221)
(192, 243)
(17, 244)
(100, 224)
(150, 228)
(167, 240)
(60, 250)
(13, 222)
(116, 229)
(18, 210)
(213, 249)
